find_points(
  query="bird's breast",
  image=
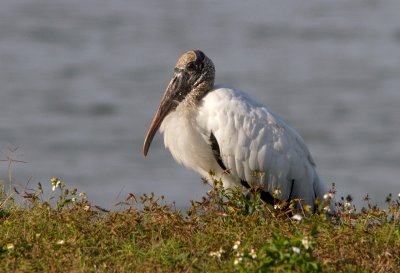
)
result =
(187, 141)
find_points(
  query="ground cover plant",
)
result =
(224, 232)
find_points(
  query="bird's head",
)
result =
(193, 77)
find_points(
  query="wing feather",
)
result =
(257, 145)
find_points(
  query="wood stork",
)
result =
(221, 133)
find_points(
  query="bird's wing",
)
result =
(256, 145)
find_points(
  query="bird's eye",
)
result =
(191, 66)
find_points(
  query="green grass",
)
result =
(225, 232)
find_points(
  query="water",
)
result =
(80, 81)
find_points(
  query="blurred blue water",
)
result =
(80, 81)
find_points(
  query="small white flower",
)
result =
(350, 211)
(10, 246)
(347, 205)
(82, 194)
(56, 185)
(236, 245)
(328, 196)
(55, 182)
(60, 242)
(306, 242)
(277, 193)
(253, 253)
(237, 260)
(297, 217)
(239, 254)
(86, 208)
(218, 253)
(327, 209)
(296, 250)
(73, 199)
(277, 206)
(398, 195)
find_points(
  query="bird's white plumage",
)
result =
(255, 145)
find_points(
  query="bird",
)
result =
(225, 135)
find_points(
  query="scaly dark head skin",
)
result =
(193, 77)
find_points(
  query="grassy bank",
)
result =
(225, 232)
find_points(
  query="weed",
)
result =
(226, 231)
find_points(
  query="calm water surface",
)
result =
(80, 81)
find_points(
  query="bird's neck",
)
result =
(197, 94)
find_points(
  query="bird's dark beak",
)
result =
(172, 96)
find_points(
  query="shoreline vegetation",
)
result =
(224, 232)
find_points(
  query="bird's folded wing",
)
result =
(257, 145)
